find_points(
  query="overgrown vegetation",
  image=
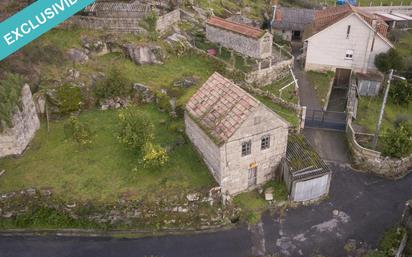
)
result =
(400, 92)
(137, 133)
(321, 82)
(289, 94)
(105, 170)
(389, 243)
(397, 141)
(78, 131)
(69, 98)
(116, 84)
(389, 60)
(10, 97)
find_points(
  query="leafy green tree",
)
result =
(10, 98)
(398, 141)
(389, 60)
(136, 129)
(116, 84)
(401, 92)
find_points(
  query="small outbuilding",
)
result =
(307, 177)
(290, 23)
(240, 139)
(244, 39)
(369, 84)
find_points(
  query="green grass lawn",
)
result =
(287, 114)
(253, 203)
(321, 82)
(103, 171)
(288, 94)
(368, 113)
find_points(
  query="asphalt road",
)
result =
(360, 207)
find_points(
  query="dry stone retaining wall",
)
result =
(14, 140)
(266, 76)
(373, 161)
(169, 19)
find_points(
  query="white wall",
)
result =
(326, 50)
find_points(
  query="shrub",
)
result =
(116, 84)
(163, 102)
(136, 129)
(389, 60)
(154, 156)
(69, 98)
(400, 92)
(78, 131)
(10, 97)
(397, 141)
(150, 23)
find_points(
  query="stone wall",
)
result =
(235, 172)
(164, 22)
(267, 76)
(373, 161)
(115, 25)
(14, 140)
(406, 9)
(244, 45)
(207, 148)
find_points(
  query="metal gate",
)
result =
(311, 189)
(325, 119)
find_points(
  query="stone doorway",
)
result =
(252, 177)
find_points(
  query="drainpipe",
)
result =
(274, 8)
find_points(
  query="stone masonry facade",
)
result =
(220, 119)
(14, 140)
(259, 48)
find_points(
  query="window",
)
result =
(348, 31)
(246, 148)
(265, 143)
(349, 54)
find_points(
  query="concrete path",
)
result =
(360, 207)
(330, 145)
(307, 92)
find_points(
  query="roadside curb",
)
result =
(131, 233)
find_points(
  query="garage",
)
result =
(304, 172)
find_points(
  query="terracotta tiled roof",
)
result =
(325, 18)
(220, 107)
(242, 29)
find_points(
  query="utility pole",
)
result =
(385, 98)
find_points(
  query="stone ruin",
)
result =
(14, 140)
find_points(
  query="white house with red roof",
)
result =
(345, 38)
(240, 139)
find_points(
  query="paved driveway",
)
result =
(360, 207)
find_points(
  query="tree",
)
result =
(397, 141)
(401, 92)
(10, 98)
(389, 60)
(136, 129)
(116, 84)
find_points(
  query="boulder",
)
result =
(144, 92)
(95, 46)
(144, 54)
(77, 55)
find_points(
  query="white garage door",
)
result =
(311, 189)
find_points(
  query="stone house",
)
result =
(240, 139)
(290, 23)
(345, 38)
(244, 39)
(25, 123)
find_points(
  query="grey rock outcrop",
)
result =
(144, 54)
(14, 140)
(144, 92)
(77, 55)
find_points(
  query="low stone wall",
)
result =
(277, 100)
(164, 22)
(116, 25)
(373, 161)
(266, 76)
(14, 140)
